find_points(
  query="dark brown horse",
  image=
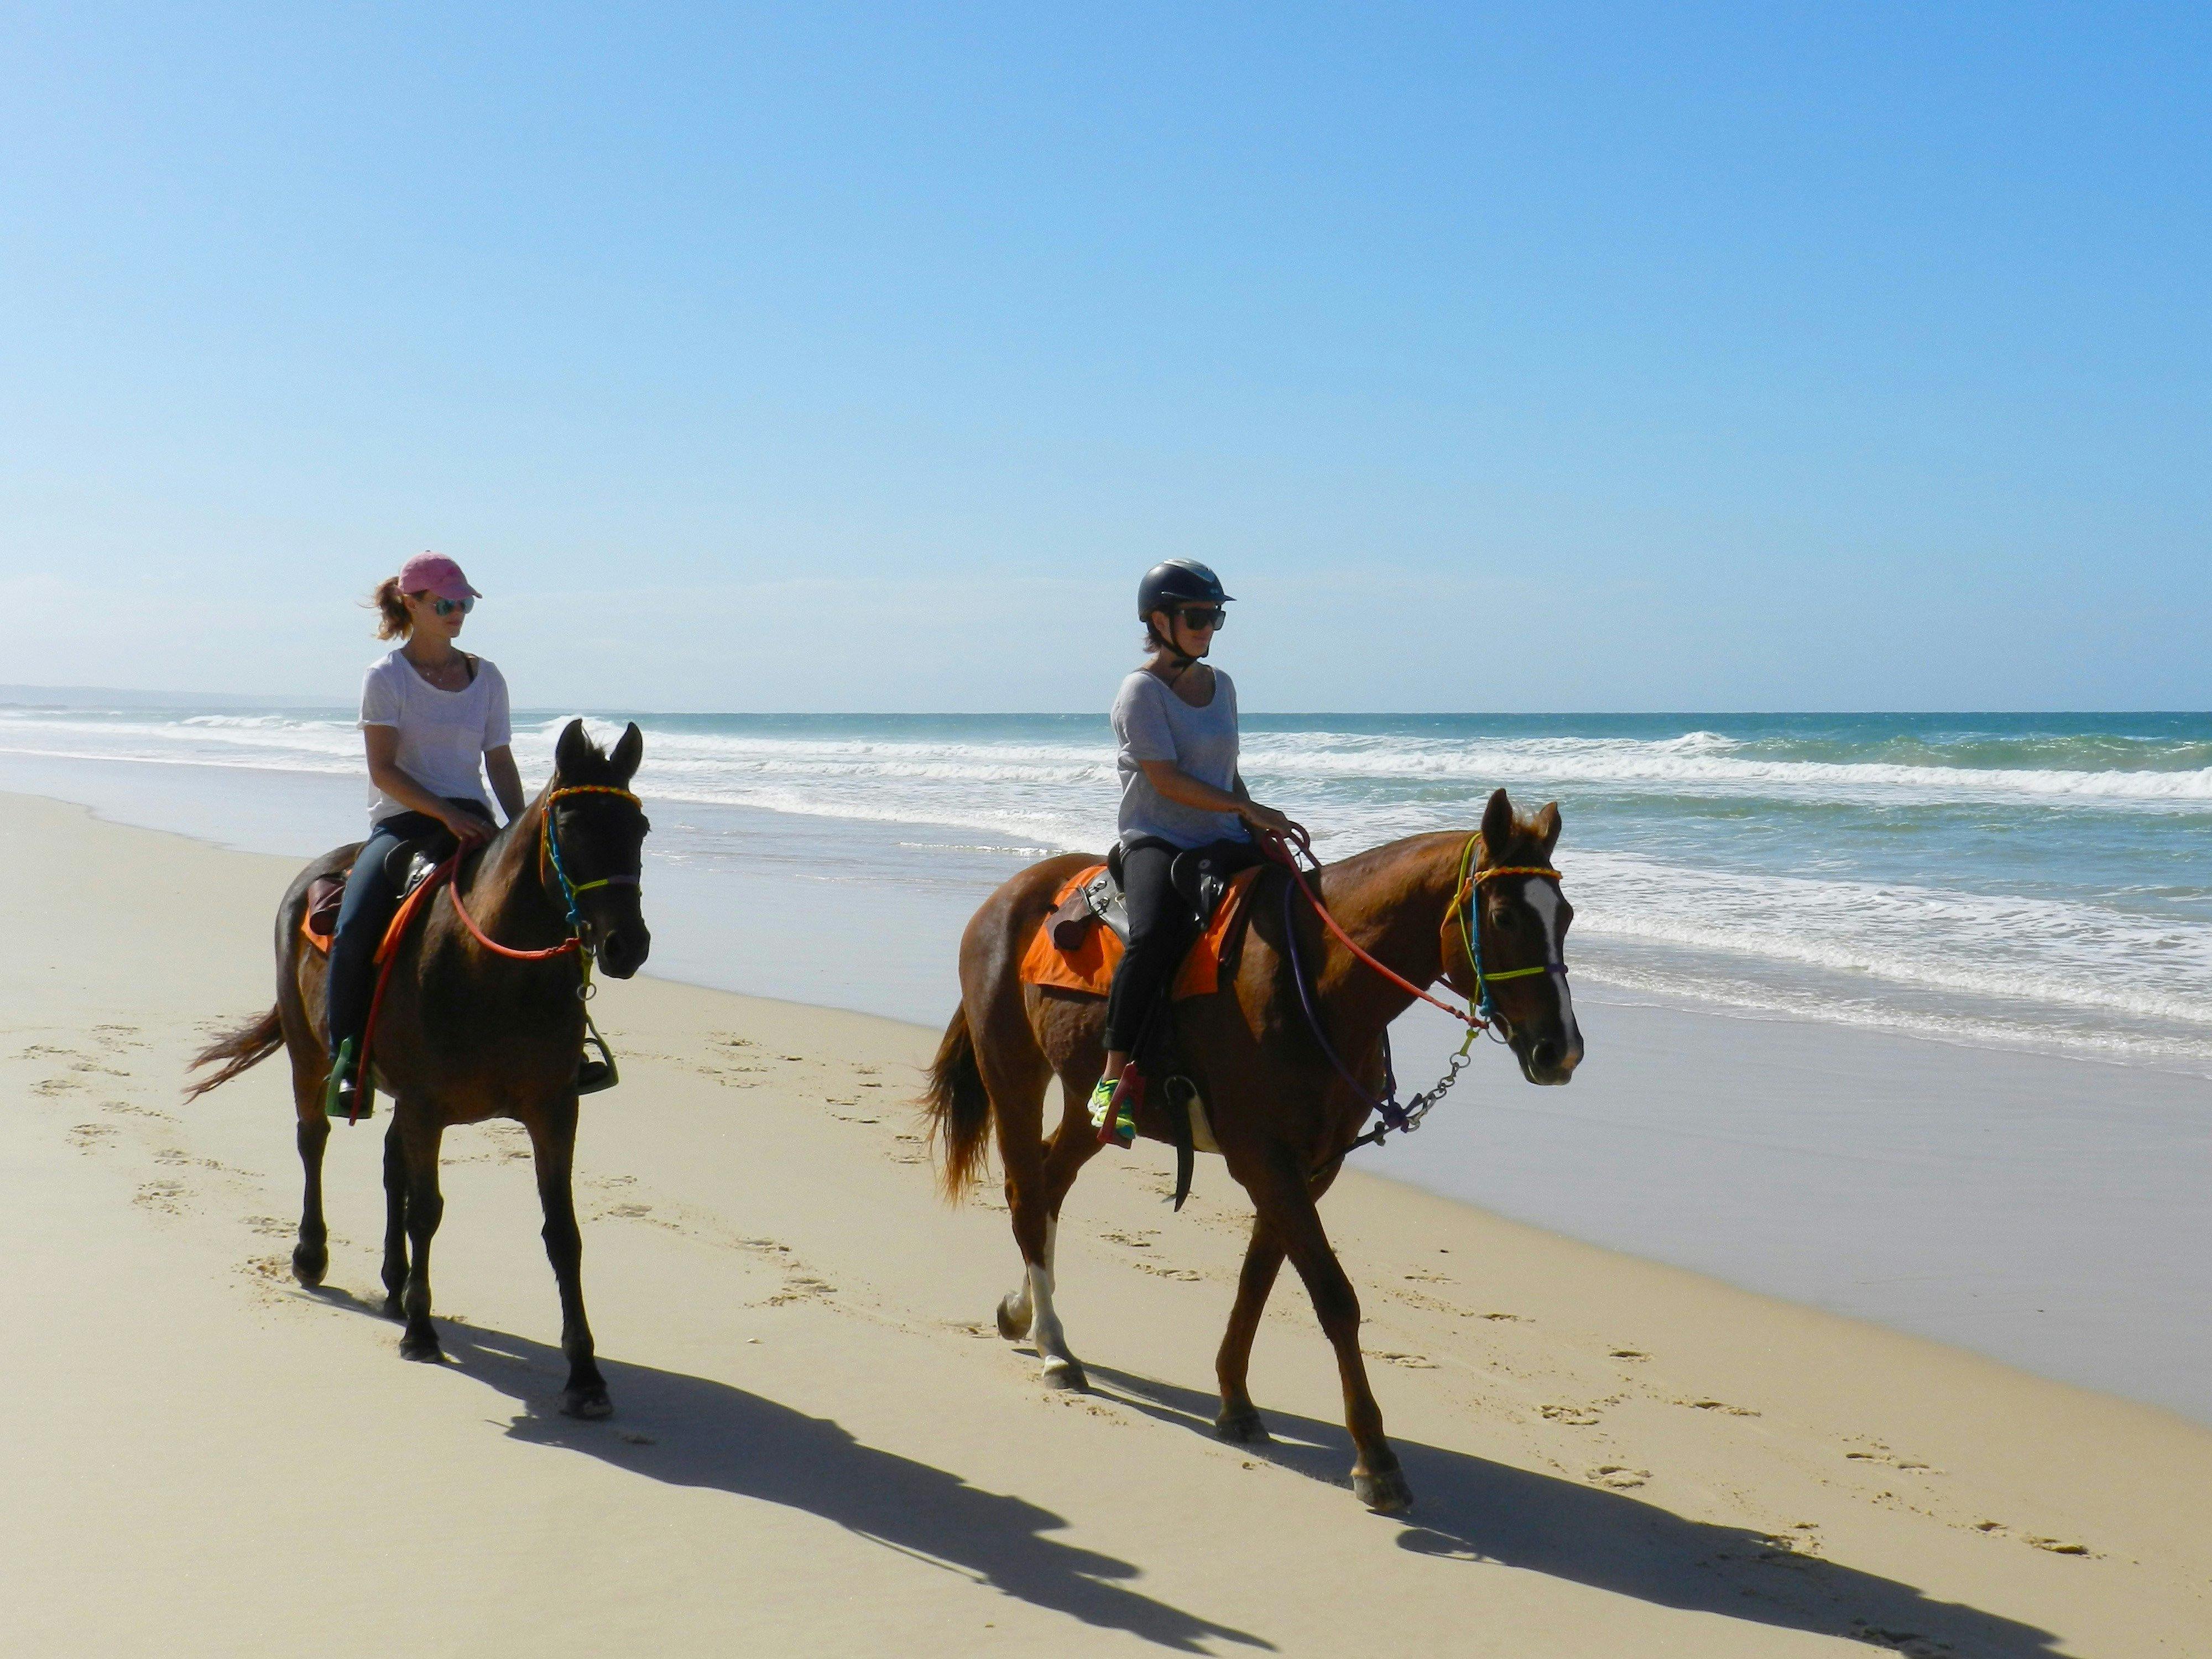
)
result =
(464, 1034)
(1280, 1111)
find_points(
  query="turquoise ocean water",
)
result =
(2009, 879)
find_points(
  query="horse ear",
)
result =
(1548, 827)
(570, 752)
(628, 753)
(1496, 828)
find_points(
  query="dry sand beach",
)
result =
(821, 1445)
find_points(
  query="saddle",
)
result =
(406, 868)
(1201, 874)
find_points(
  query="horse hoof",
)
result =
(585, 1403)
(309, 1263)
(1065, 1374)
(1012, 1330)
(423, 1346)
(1385, 1493)
(1245, 1427)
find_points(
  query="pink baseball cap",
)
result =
(434, 573)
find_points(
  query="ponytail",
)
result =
(393, 621)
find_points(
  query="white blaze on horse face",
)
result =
(1545, 899)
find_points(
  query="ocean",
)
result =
(2010, 880)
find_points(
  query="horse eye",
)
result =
(1502, 917)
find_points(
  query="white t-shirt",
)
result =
(443, 735)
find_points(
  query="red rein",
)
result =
(1278, 848)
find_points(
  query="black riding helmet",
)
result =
(1175, 582)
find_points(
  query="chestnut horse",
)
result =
(464, 1032)
(1281, 1110)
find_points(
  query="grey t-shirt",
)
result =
(1151, 723)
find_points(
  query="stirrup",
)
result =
(596, 1075)
(342, 1095)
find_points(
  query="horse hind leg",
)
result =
(311, 1256)
(1028, 1311)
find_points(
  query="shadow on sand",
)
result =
(689, 1432)
(1470, 1508)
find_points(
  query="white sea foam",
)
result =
(1723, 879)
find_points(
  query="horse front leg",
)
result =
(1240, 1419)
(395, 1221)
(1286, 1208)
(553, 1143)
(421, 1135)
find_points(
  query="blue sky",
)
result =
(826, 357)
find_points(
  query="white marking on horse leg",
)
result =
(1045, 1333)
(1051, 1240)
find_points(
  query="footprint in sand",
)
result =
(1721, 1406)
(1618, 1477)
(1628, 1353)
(165, 1196)
(89, 1137)
(1135, 1241)
(55, 1085)
(1576, 1417)
(1412, 1362)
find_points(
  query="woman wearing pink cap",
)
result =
(434, 720)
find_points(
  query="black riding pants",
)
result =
(371, 897)
(1161, 928)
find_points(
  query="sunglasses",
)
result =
(1201, 618)
(446, 607)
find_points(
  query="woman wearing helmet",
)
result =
(1175, 723)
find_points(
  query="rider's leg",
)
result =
(363, 914)
(1160, 929)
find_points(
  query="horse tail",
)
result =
(240, 1048)
(959, 1107)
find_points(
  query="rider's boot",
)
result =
(343, 1096)
(1113, 1106)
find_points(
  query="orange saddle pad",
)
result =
(1090, 967)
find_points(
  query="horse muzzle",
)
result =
(620, 950)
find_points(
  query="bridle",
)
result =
(1470, 926)
(1478, 1018)
(569, 889)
